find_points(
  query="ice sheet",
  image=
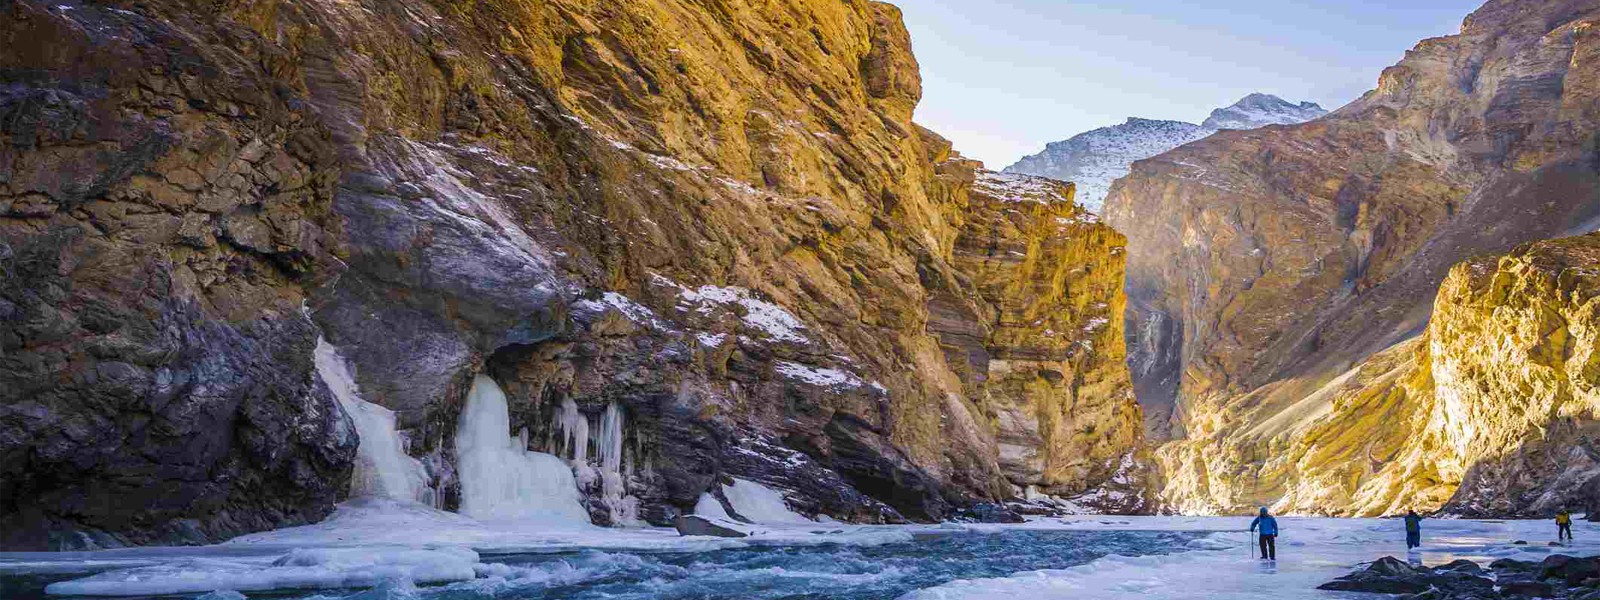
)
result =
(375, 541)
(383, 469)
(708, 506)
(1311, 551)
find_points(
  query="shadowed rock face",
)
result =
(1270, 269)
(164, 214)
(718, 222)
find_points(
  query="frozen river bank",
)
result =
(407, 551)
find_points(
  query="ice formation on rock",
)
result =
(759, 503)
(382, 469)
(500, 478)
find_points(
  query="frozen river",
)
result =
(378, 551)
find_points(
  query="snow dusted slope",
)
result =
(1096, 158)
(1261, 110)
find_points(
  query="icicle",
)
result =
(624, 509)
(610, 443)
(573, 426)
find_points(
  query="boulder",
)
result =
(1390, 565)
(1512, 565)
(1569, 569)
(1387, 575)
(1527, 589)
(1460, 566)
(1458, 580)
(992, 513)
(1376, 584)
(698, 525)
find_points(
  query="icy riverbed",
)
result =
(411, 551)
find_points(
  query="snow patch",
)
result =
(820, 377)
(759, 503)
(1013, 187)
(638, 313)
(773, 321)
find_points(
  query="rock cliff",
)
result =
(1048, 361)
(706, 237)
(1491, 412)
(1279, 277)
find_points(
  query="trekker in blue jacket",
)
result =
(1269, 534)
(1413, 529)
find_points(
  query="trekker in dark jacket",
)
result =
(1413, 529)
(1269, 534)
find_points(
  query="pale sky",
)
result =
(1002, 78)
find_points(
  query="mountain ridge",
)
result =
(1092, 160)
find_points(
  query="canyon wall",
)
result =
(711, 229)
(1279, 278)
(1491, 412)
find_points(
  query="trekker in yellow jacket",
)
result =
(1563, 526)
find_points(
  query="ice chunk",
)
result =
(299, 569)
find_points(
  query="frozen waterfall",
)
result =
(500, 478)
(383, 469)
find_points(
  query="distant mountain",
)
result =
(1261, 110)
(1094, 159)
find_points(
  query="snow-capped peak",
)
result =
(1094, 159)
(1260, 110)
